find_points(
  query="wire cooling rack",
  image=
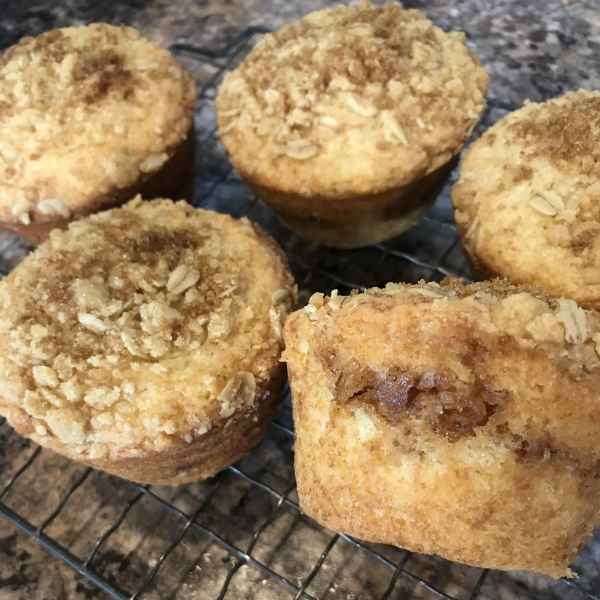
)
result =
(241, 533)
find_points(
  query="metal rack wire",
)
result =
(266, 547)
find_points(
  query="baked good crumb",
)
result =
(141, 330)
(450, 419)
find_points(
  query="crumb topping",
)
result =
(365, 80)
(534, 176)
(85, 111)
(565, 131)
(454, 408)
(142, 323)
(525, 312)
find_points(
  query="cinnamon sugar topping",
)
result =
(565, 131)
(373, 76)
(141, 323)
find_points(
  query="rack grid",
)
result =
(241, 533)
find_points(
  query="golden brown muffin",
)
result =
(89, 116)
(145, 340)
(527, 201)
(460, 421)
(347, 122)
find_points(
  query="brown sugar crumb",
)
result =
(87, 70)
(583, 240)
(497, 289)
(96, 68)
(337, 72)
(522, 173)
(565, 131)
(140, 324)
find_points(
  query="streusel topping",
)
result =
(525, 312)
(141, 324)
(85, 111)
(355, 82)
(534, 176)
(566, 131)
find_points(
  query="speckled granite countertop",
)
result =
(532, 49)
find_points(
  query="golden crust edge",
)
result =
(183, 462)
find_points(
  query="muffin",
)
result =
(145, 341)
(348, 122)
(89, 116)
(452, 420)
(527, 200)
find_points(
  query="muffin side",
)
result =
(140, 331)
(526, 200)
(349, 104)
(359, 221)
(91, 116)
(440, 419)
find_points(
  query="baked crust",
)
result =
(526, 199)
(348, 106)
(88, 116)
(183, 461)
(359, 221)
(452, 420)
(145, 340)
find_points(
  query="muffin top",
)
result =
(85, 112)
(140, 326)
(350, 101)
(527, 200)
(493, 362)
